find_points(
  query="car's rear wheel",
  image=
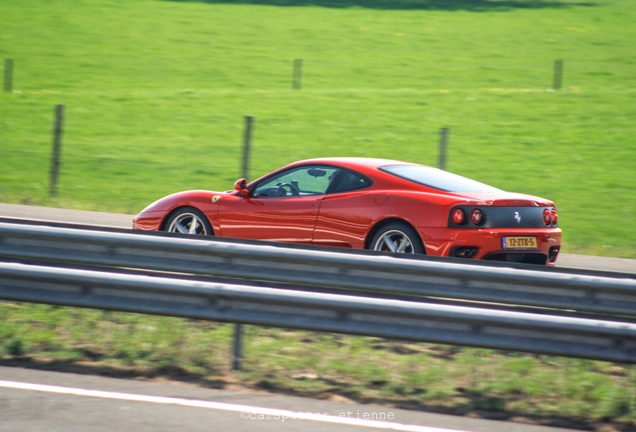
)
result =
(188, 220)
(397, 237)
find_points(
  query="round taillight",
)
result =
(547, 217)
(459, 217)
(477, 217)
(554, 217)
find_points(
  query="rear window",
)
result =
(437, 178)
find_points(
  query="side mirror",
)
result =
(241, 186)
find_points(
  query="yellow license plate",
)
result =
(526, 242)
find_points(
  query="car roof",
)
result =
(354, 162)
(372, 167)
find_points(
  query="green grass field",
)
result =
(155, 94)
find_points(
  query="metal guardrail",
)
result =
(575, 337)
(337, 272)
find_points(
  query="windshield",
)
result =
(437, 178)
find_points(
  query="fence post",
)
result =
(298, 72)
(247, 143)
(443, 145)
(58, 129)
(8, 75)
(557, 80)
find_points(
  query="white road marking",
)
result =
(246, 412)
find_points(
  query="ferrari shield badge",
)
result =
(215, 198)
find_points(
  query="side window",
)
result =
(301, 181)
(350, 181)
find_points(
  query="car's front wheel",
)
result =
(397, 237)
(188, 220)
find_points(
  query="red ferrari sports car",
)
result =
(377, 204)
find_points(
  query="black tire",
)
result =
(397, 237)
(182, 220)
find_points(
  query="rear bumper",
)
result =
(488, 244)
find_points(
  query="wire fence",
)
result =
(114, 169)
(430, 143)
(75, 151)
(186, 148)
(526, 72)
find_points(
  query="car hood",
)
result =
(191, 197)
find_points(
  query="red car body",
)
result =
(369, 204)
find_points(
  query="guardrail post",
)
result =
(237, 347)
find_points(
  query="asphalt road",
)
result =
(33, 400)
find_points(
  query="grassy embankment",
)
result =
(155, 94)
